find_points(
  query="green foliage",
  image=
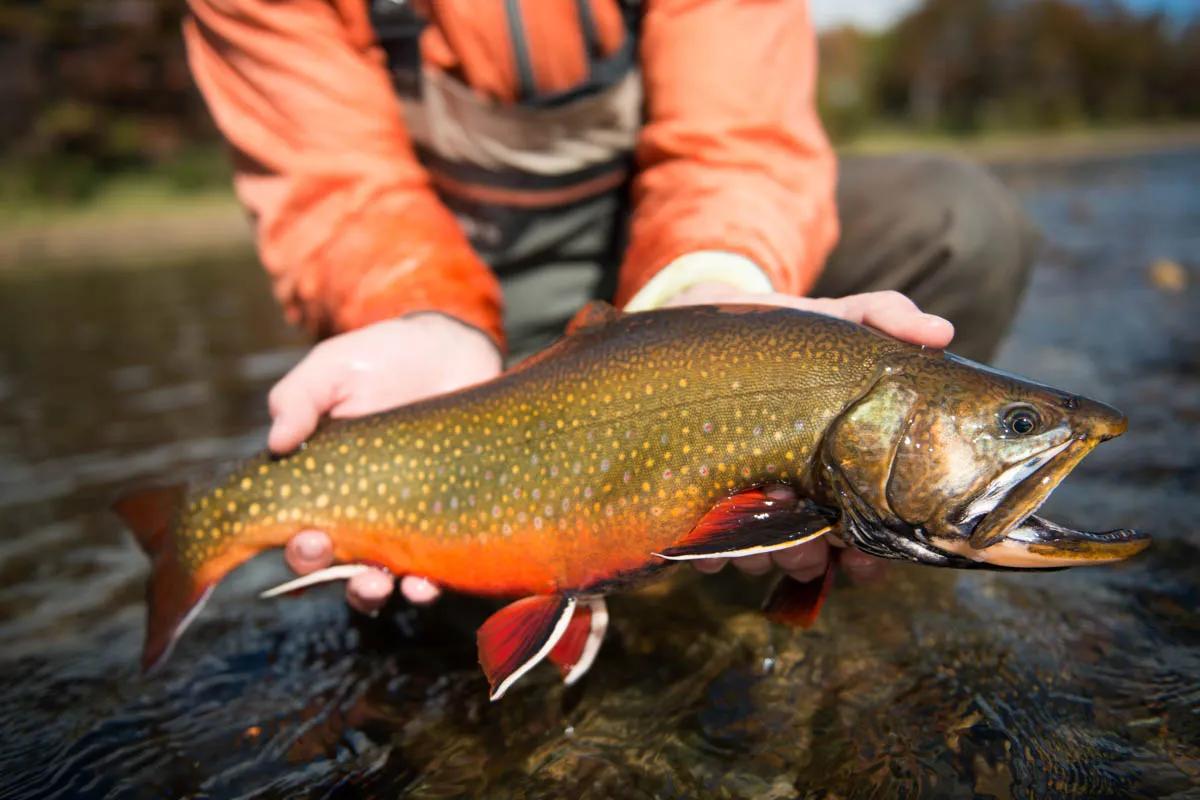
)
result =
(968, 66)
(91, 92)
(94, 92)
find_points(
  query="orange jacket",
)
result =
(731, 156)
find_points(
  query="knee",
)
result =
(987, 240)
(987, 245)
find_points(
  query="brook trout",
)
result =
(644, 439)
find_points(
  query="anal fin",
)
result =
(798, 604)
(514, 639)
(752, 522)
(577, 649)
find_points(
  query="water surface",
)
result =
(931, 683)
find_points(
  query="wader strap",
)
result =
(398, 28)
(527, 90)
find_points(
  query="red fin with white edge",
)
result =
(752, 522)
(594, 314)
(514, 639)
(576, 650)
(798, 604)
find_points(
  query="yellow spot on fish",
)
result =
(322, 500)
(247, 484)
(254, 509)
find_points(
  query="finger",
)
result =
(368, 591)
(308, 551)
(759, 564)
(297, 402)
(804, 562)
(862, 568)
(781, 492)
(896, 315)
(709, 565)
(419, 591)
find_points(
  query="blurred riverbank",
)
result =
(141, 220)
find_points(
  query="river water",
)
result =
(1083, 683)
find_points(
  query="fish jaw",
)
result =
(1003, 530)
(1028, 485)
(1037, 543)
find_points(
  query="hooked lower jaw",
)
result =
(1004, 531)
(1037, 543)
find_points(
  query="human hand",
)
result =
(372, 369)
(889, 312)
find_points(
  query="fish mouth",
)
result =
(1003, 531)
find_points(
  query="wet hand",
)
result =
(889, 312)
(372, 369)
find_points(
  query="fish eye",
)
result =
(1021, 420)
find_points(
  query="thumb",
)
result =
(296, 404)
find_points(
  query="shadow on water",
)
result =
(1082, 683)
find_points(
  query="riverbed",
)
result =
(1083, 683)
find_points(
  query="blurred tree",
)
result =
(88, 89)
(969, 65)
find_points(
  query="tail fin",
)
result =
(173, 596)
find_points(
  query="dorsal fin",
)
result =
(593, 315)
(596, 314)
(149, 513)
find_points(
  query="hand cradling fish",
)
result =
(640, 440)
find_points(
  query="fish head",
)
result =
(945, 461)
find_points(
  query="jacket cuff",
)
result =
(702, 266)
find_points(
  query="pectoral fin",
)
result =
(752, 522)
(798, 604)
(514, 639)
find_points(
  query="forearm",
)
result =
(345, 219)
(721, 168)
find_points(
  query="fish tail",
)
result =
(174, 594)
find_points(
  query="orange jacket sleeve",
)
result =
(732, 157)
(346, 222)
